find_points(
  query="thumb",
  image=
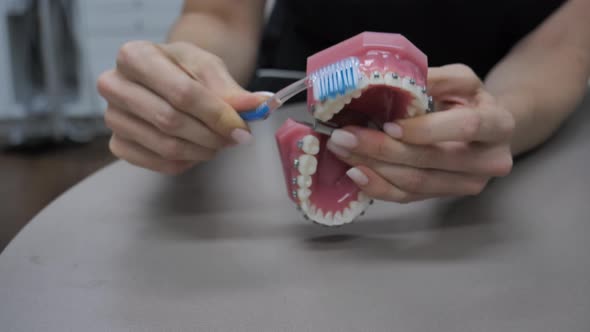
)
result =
(454, 80)
(245, 101)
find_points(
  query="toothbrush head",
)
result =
(336, 79)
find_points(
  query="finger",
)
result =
(453, 80)
(458, 124)
(458, 157)
(377, 187)
(134, 129)
(139, 156)
(202, 66)
(209, 69)
(142, 62)
(136, 99)
(428, 182)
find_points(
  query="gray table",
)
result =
(223, 249)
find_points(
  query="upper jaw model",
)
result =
(389, 82)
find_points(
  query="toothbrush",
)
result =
(328, 82)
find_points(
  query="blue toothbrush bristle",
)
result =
(336, 79)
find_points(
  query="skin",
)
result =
(172, 106)
(522, 102)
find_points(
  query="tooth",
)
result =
(421, 103)
(311, 145)
(338, 106)
(355, 207)
(319, 216)
(338, 220)
(377, 78)
(303, 193)
(325, 116)
(304, 181)
(391, 81)
(312, 210)
(347, 214)
(364, 82)
(304, 206)
(329, 215)
(347, 99)
(307, 164)
(406, 84)
(362, 197)
(356, 93)
(418, 107)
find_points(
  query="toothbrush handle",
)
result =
(259, 113)
(264, 110)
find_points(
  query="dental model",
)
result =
(367, 80)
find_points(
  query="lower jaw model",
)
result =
(391, 85)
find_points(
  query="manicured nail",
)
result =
(338, 150)
(264, 93)
(241, 136)
(393, 129)
(357, 176)
(344, 138)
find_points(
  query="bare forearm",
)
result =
(545, 76)
(234, 40)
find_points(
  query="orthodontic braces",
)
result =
(325, 128)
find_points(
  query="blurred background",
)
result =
(52, 133)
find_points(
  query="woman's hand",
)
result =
(172, 106)
(453, 152)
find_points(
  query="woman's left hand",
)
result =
(452, 152)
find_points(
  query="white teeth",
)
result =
(347, 214)
(364, 82)
(331, 218)
(392, 79)
(303, 193)
(377, 78)
(362, 197)
(319, 214)
(355, 206)
(407, 85)
(304, 206)
(325, 111)
(307, 164)
(338, 220)
(310, 144)
(304, 181)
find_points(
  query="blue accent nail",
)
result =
(260, 113)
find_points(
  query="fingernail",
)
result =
(393, 129)
(241, 136)
(338, 150)
(264, 93)
(344, 138)
(357, 176)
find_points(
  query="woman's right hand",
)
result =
(171, 106)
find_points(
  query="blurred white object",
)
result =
(52, 52)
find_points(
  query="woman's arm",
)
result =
(545, 76)
(227, 28)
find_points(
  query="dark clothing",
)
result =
(476, 33)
